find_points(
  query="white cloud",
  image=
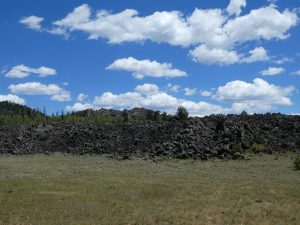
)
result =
(147, 89)
(205, 55)
(33, 22)
(211, 29)
(82, 97)
(22, 71)
(126, 26)
(257, 54)
(80, 15)
(190, 91)
(143, 68)
(149, 96)
(257, 96)
(62, 96)
(251, 107)
(173, 88)
(45, 71)
(235, 6)
(37, 88)
(294, 114)
(12, 98)
(17, 72)
(296, 73)
(263, 23)
(206, 93)
(283, 60)
(78, 107)
(272, 71)
(158, 101)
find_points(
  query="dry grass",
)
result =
(60, 189)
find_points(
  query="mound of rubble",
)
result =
(225, 137)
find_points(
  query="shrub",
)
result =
(297, 163)
(156, 116)
(125, 116)
(182, 113)
(237, 148)
(244, 113)
(149, 115)
(258, 146)
(164, 116)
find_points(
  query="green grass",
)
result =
(65, 190)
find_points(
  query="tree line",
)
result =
(11, 113)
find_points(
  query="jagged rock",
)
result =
(198, 138)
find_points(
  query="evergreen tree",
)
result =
(182, 113)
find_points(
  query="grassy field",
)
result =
(65, 190)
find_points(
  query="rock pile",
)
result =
(225, 137)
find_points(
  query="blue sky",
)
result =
(209, 56)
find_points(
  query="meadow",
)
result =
(67, 189)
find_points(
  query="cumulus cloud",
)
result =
(190, 91)
(158, 101)
(173, 88)
(257, 54)
(32, 22)
(62, 96)
(143, 68)
(79, 107)
(206, 93)
(235, 6)
(272, 71)
(205, 55)
(258, 96)
(147, 89)
(37, 88)
(22, 71)
(283, 60)
(296, 73)
(12, 98)
(263, 23)
(82, 97)
(209, 29)
(202, 26)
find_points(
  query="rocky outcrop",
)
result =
(224, 137)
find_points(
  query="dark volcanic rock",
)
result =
(198, 138)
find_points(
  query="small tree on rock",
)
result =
(182, 113)
(125, 116)
(244, 113)
(157, 116)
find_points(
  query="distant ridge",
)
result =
(14, 109)
(12, 113)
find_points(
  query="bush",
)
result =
(237, 148)
(125, 116)
(259, 147)
(244, 113)
(156, 116)
(297, 163)
(182, 113)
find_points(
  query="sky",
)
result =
(210, 56)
